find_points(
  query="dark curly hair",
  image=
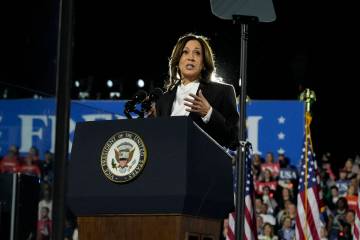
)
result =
(208, 56)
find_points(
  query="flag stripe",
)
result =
(299, 230)
(230, 232)
(308, 219)
(309, 199)
(312, 214)
(315, 209)
(248, 217)
(250, 232)
(302, 219)
(356, 228)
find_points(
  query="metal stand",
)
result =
(241, 152)
(242, 12)
(63, 83)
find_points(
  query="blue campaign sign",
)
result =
(276, 126)
(273, 126)
(29, 122)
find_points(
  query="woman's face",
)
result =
(334, 192)
(191, 62)
(287, 222)
(267, 230)
(269, 158)
(351, 190)
(267, 174)
(348, 165)
(349, 217)
(285, 193)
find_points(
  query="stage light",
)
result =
(109, 83)
(114, 95)
(113, 88)
(140, 83)
(77, 83)
(84, 95)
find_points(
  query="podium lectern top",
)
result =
(186, 172)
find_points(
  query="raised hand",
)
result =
(198, 104)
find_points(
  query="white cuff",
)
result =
(207, 117)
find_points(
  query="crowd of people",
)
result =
(32, 165)
(275, 183)
(276, 187)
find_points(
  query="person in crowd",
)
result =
(191, 92)
(284, 196)
(44, 229)
(33, 154)
(286, 232)
(258, 204)
(283, 211)
(266, 215)
(271, 165)
(30, 168)
(256, 165)
(259, 225)
(343, 183)
(326, 165)
(352, 197)
(292, 212)
(46, 166)
(333, 197)
(350, 218)
(323, 233)
(269, 158)
(267, 176)
(288, 173)
(350, 168)
(268, 198)
(337, 219)
(268, 233)
(10, 162)
(45, 201)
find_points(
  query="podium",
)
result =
(183, 190)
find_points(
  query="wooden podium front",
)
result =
(184, 191)
(148, 227)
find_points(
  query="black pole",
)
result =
(240, 163)
(63, 83)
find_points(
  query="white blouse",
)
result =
(183, 91)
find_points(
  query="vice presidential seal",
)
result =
(123, 157)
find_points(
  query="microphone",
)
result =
(153, 97)
(130, 106)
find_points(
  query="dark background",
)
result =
(310, 45)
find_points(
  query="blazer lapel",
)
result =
(203, 89)
(170, 100)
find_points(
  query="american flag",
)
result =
(250, 217)
(356, 228)
(309, 199)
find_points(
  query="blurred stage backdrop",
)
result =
(272, 126)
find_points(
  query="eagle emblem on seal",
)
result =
(123, 155)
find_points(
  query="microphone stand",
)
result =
(127, 112)
(139, 113)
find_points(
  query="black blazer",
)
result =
(224, 122)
